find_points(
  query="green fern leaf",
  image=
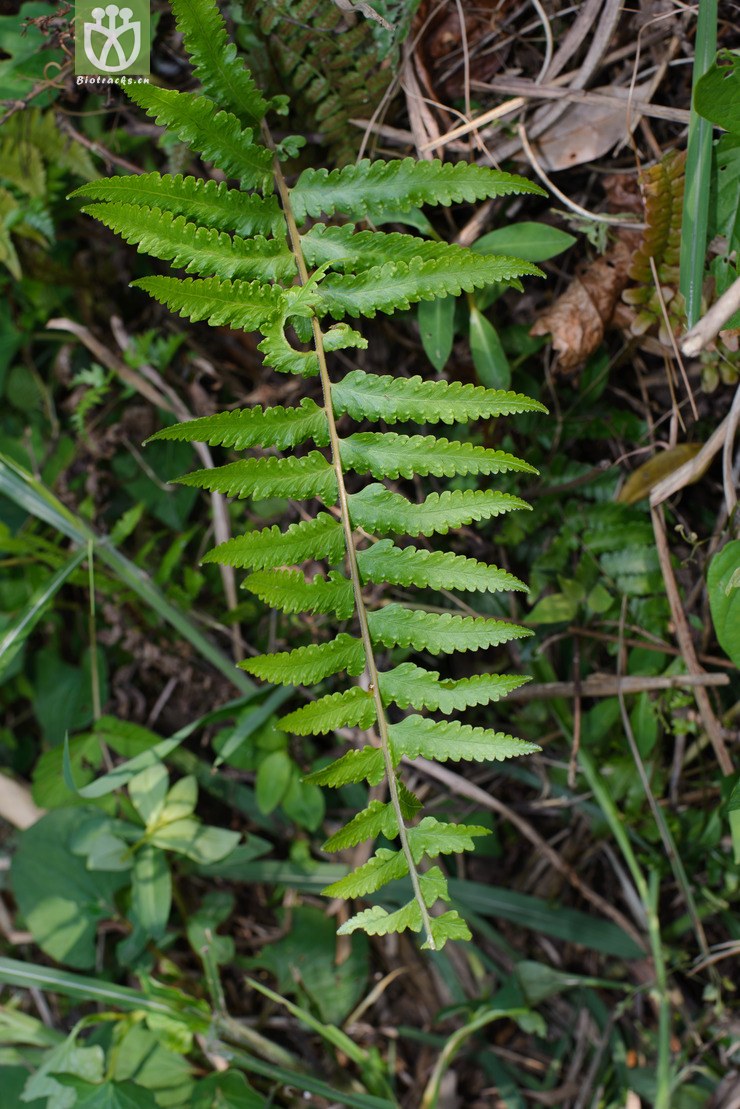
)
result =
(378, 510)
(388, 454)
(398, 285)
(386, 563)
(252, 427)
(358, 251)
(262, 478)
(216, 135)
(196, 249)
(366, 396)
(238, 304)
(385, 866)
(448, 926)
(440, 633)
(289, 591)
(207, 203)
(432, 837)
(353, 708)
(378, 818)
(215, 61)
(410, 685)
(377, 921)
(444, 740)
(365, 765)
(369, 189)
(311, 664)
(287, 360)
(271, 548)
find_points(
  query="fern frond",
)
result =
(353, 708)
(384, 562)
(271, 548)
(252, 427)
(216, 135)
(202, 250)
(238, 304)
(262, 478)
(447, 740)
(388, 454)
(289, 591)
(365, 765)
(384, 867)
(369, 189)
(249, 250)
(207, 203)
(398, 285)
(311, 664)
(410, 685)
(378, 510)
(440, 633)
(365, 396)
(215, 62)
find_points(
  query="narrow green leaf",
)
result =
(535, 242)
(489, 356)
(437, 329)
(723, 584)
(151, 890)
(273, 778)
(698, 170)
(17, 631)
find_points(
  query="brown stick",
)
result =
(686, 643)
(610, 685)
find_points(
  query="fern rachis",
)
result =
(261, 268)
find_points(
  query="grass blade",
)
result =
(27, 492)
(698, 172)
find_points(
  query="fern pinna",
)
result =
(263, 264)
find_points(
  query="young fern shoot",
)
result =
(263, 264)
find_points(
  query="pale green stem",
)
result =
(354, 571)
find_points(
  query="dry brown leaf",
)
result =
(587, 131)
(641, 481)
(578, 319)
